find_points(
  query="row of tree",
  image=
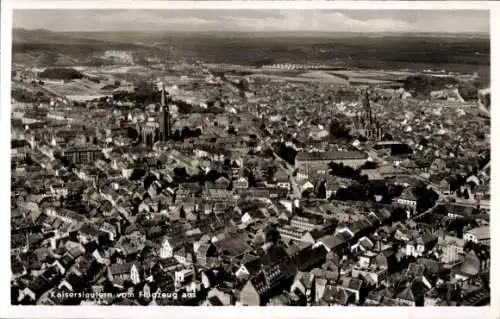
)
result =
(285, 152)
(24, 96)
(61, 74)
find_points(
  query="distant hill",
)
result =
(43, 36)
(72, 45)
(464, 53)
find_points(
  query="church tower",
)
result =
(164, 117)
(367, 107)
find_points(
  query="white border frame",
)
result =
(6, 310)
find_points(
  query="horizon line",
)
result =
(255, 31)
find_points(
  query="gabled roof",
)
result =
(309, 257)
(305, 278)
(330, 156)
(256, 214)
(408, 194)
(481, 233)
(406, 294)
(351, 283)
(118, 269)
(332, 241)
(215, 301)
(233, 246)
(274, 255)
(253, 266)
(316, 234)
(222, 180)
(471, 264)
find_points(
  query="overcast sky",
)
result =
(255, 20)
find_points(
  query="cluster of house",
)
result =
(200, 245)
(217, 220)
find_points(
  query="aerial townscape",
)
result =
(238, 170)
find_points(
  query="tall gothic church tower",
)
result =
(164, 117)
(367, 108)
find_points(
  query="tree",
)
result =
(401, 149)
(252, 182)
(270, 171)
(286, 153)
(182, 213)
(176, 136)
(387, 137)
(369, 165)
(338, 129)
(146, 93)
(344, 171)
(231, 130)
(456, 226)
(132, 133)
(61, 73)
(149, 180)
(468, 90)
(321, 191)
(306, 193)
(180, 173)
(273, 235)
(137, 174)
(398, 214)
(423, 85)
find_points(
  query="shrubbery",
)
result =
(423, 84)
(61, 74)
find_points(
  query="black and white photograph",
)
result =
(244, 157)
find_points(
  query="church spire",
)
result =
(163, 94)
(367, 106)
(164, 117)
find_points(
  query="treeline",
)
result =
(184, 133)
(426, 197)
(367, 192)
(61, 73)
(423, 85)
(182, 176)
(24, 96)
(401, 149)
(285, 152)
(76, 50)
(469, 90)
(346, 172)
(146, 93)
(339, 130)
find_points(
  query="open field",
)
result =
(307, 77)
(72, 88)
(77, 88)
(321, 75)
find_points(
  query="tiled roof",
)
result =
(330, 156)
(309, 257)
(481, 232)
(406, 294)
(117, 269)
(471, 264)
